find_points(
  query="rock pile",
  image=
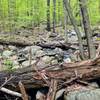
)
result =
(16, 57)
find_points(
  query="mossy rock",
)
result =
(83, 95)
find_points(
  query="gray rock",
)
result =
(90, 94)
(73, 39)
(59, 57)
(40, 96)
(50, 52)
(44, 61)
(52, 35)
(27, 63)
(53, 62)
(47, 59)
(39, 53)
(42, 64)
(58, 51)
(13, 48)
(34, 49)
(94, 84)
(7, 53)
(59, 94)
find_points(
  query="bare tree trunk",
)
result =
(54, 15)
(99, 5)
(59, 17)
(87, 28)
(48, 15)
(65, 22)
(11, 12)
(73, 21)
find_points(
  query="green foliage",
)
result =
(8, 64)
(17, 13)
(93, 10)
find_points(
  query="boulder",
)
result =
(91, 94)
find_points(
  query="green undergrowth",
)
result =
(28, 13)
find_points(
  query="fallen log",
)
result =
(55, 44)
(7, 39)
(32, 76)
(62, 45)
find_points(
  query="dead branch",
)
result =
(5, 90)
(22, 89)
(52, 90)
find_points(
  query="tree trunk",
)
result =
(54, 15)
(73, 21)
(11, 12)
(99, 5)
(48, 15)
(59, 6)
(87, 28)
(66, 22)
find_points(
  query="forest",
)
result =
(49, 49)
(30, 13)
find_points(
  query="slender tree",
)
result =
(1, 17)
(48, 15)
(99, 5)
(65, 22)
(73, 21)
(87, 28)
(54, 15)
(11, 12)
(59, 4)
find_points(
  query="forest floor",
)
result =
(21, 49)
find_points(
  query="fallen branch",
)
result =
(13, 93)
(7, 39)
(52, 90)
(6, 80)
(22, 89)
(55, 44)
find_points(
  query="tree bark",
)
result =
(53, 45)
(31, 76)
(66, 22)
(87, 28)
(73, 21)
(48, 15)
(54, 15)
